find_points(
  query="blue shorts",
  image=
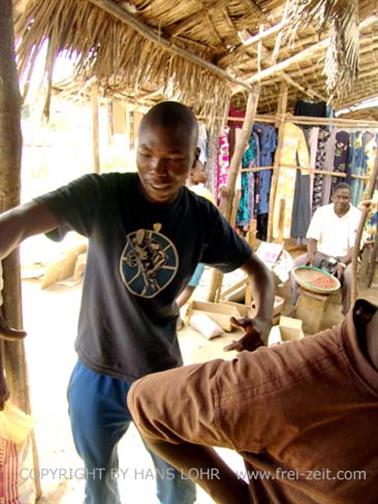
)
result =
(196, 278)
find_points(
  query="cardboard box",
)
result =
(288, 329)
(220, 313)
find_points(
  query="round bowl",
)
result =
(315, 279)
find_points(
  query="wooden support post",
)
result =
(281, 221)
(10, 162)
(372, 261)
(226, 207)
(356, 247)
(95, 132)
(281, 109)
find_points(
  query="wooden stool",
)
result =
(310, 309)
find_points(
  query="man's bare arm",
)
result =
(21, 222)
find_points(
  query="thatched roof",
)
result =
(192, 50)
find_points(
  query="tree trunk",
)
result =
(10, 162)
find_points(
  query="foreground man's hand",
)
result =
(256, 334)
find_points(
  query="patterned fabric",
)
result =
(212, 162)
(223, 162)
(312, 142)
(330, 155)
(9, 472)
(320, 162)
(247, 199)
(341, 158)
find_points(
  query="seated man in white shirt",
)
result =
(331, 236)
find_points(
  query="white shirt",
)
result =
(335, 235)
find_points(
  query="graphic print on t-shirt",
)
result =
(148, 262)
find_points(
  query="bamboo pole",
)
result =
(10, 183)
(281, 108)
(315, 121)
(119, 13)
(281, 221)
(306, 169)
(356, 247)
(226, 206)
(252, 40)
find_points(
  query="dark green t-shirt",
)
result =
(140, 257)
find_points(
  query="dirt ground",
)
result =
(50, 317)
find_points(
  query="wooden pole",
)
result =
(10, 183)
(281, 221)
(226, 206)
(95, 132)
(253, 40)
(240, 147)
(281, 108)
(356, 247)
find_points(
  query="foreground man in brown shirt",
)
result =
(303, 415)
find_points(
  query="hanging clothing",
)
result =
(247, 199)
(223, 161)
(212, 162)
(234, 125)
(320, 161)
(341, 159)
(330, 155)
(294, 152)
(301, 217)
(313, 109)
(311, 136)
(202, 142)
(358, 164)
(268, 142)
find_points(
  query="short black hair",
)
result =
(342, 185)
(171, 114)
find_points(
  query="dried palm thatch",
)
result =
(115, 56)
(341, 16)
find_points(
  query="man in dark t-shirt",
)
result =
(147, 233)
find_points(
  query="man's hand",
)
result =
(310, 259)
(340, 270)
(256, 333)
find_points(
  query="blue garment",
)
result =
(196, 278)
(246, 204)
(99, 418)
(358, 164)
(268, 143)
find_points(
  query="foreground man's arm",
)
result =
(256, 329)
(180, 436)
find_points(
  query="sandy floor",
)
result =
(50, 317)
